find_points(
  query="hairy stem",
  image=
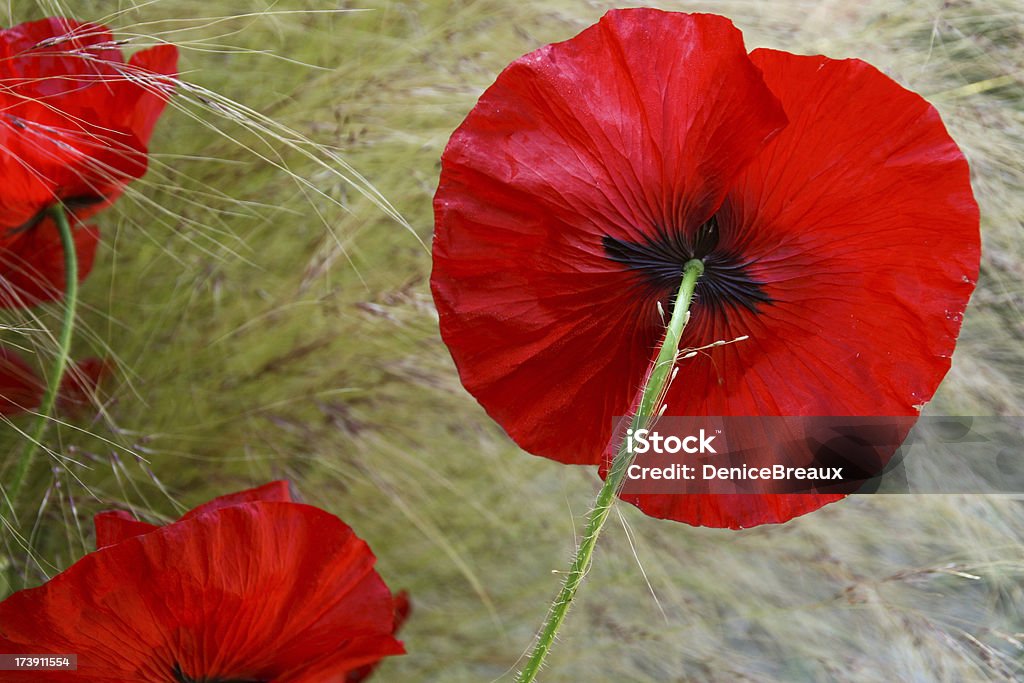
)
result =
(650, 401)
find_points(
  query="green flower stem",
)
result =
(67, 241)
(650, 402)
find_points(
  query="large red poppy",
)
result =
(75, 122)
(832, 211)
(247, 588)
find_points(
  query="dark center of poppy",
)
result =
(659, 260)
(181, 677)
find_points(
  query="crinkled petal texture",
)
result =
(75, 118)
(115, 526)
(239, 590)
(32, 263)
(641, 122)
(859, 221)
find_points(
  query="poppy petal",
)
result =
(20, 388)
(274, 492)
(356, 661)
(80, 386)
(402, 608)
(597, 137)
(32, 263)
(115, 526)
(76, 118)
(257, 591)
(58, 139)
(161, 60)
(859, 221)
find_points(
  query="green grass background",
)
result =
(271, 320)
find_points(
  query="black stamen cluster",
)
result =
(659, 260)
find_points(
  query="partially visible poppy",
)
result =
(250, 587)
(80, 386)
(75, 122)
(32, 263)
(22, 389)
(832, 212)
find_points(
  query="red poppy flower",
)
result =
(246, 588)
(22, 389)
(81, 384)
(75, 121)
(832, 212)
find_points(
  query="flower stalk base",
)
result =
(650, 403)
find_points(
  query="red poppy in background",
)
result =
(22, 389)
(832, 212)
(250, 587)
(75, 122)
(32, 263)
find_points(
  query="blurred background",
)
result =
(262, 294)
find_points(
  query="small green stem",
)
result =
(650, 401)
(67, 241)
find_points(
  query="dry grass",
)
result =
(271, 319)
